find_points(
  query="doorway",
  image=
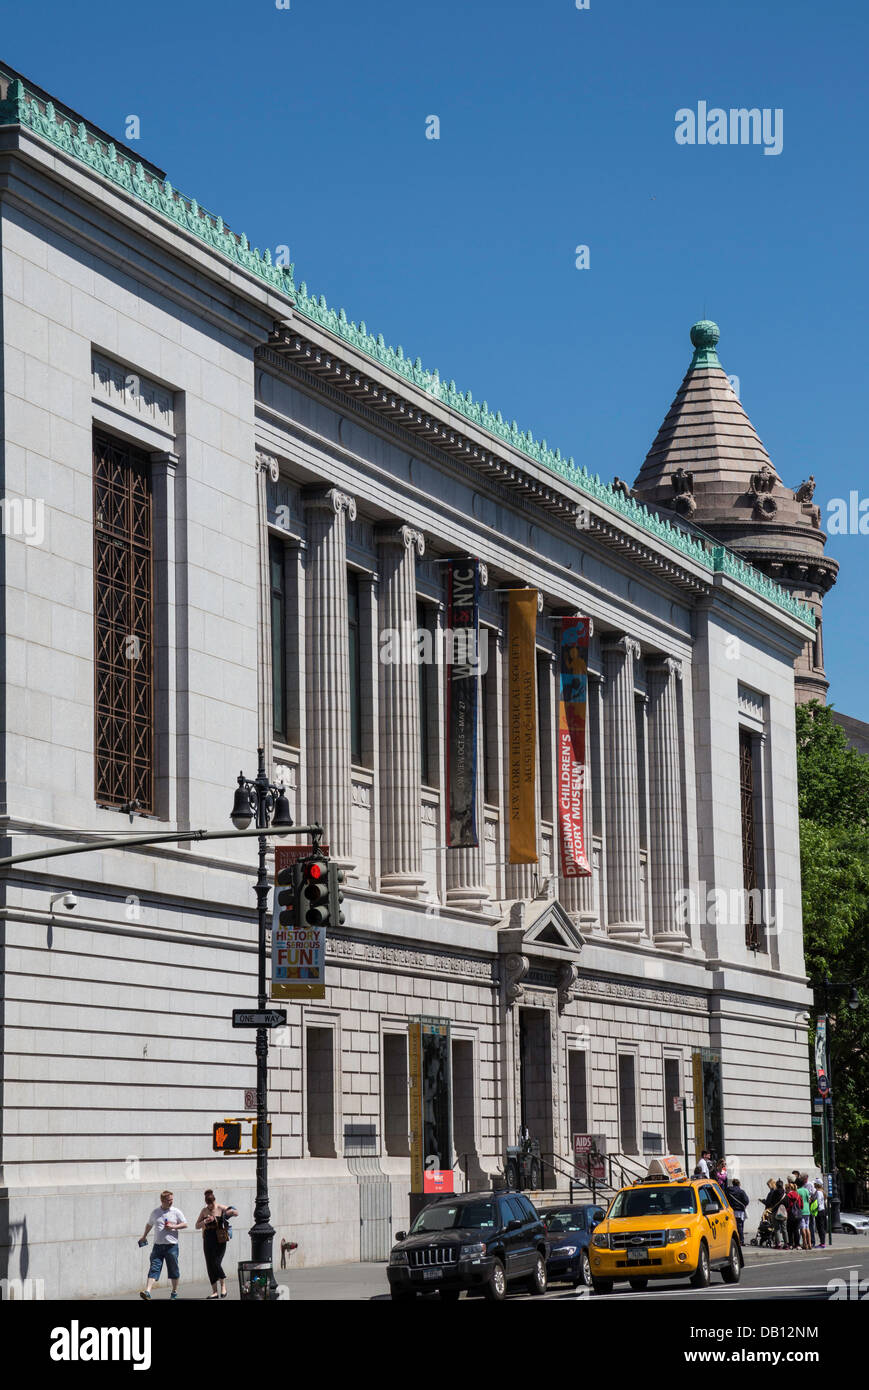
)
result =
(535, 1082)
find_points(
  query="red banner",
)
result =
(572, 712)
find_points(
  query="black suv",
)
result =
(479, 1241)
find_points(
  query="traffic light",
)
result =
(336, 897)
(226, 1136)
(268, 1134)
(288, 888)
(312, 892)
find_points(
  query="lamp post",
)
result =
(266, 804)
(853, 1003)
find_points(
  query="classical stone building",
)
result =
(227, 492)
(709, 466)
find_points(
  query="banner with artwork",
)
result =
(572, 718)
(463, 683)
(522, 676)
(821, 1055)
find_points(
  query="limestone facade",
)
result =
(579, 1003)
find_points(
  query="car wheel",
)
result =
(512, 1175)
(733, 1269)
(602, 1285)
(585, 1269)
(639, 1284)
(848, 1230)
(496, 1289)
(535, 1175)
(537, 1282)
(449, 1295)
(402, 1295)
(700, 1277)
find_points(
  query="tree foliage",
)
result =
(834, 849)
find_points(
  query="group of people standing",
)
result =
(166, 1221)
(796, 1211)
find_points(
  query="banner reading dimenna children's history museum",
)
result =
(572, 714)
(523, 724)
(462, 668)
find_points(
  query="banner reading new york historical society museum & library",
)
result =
(462, 667)
(572, 712)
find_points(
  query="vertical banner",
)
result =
(522, 673)
(572, 716)
(699, 1117)
(462, 668)
(430, 1105)
(298, 951)
(821, 1055)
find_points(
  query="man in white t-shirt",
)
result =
(165, 1221)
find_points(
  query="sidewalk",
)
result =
(840, 1242)
(350, 1282)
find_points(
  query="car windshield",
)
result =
(446, 1216)
(655, 1201)
(558, 1221)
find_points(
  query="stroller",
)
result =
(765, 1232)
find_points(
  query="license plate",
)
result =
(638, 1257)
(432, 1274)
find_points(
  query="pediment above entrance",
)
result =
(539, 946)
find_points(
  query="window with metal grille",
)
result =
(749, 839)
(278, 590)
(123, 626)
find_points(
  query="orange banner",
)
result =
(522, 674)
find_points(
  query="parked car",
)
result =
(568, 1234)
(479, 1241)
(854, 1223)
(666, 1228)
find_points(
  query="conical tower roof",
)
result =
(707, 433)
(708, 464)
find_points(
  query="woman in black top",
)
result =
(212, 1218)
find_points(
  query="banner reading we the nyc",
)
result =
(522, 677)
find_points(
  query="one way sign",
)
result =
(259, 1018)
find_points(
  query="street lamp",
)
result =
(853, 1003)
(260, 800)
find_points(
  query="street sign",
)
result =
(677, 1103)
(816, 1119)
(259, 1018)
(250, 1099)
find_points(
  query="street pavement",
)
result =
(768, 1274)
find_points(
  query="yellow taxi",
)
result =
(663, 1227)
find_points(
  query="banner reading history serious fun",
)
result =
(462, 668)
(522, 631)
(572, 713)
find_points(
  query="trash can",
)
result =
(256, 1282)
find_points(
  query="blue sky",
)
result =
(306, 127)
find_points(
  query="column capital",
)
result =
(483, 570)
(330, 499)
(667, 666)
(404, 537)
(265, 463)
(624, 645)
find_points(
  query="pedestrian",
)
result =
(794, 1206)
(165, 1221)
(777, 1207)
(213, 1222)
(821, 1213)
(739, 1200)
(703, 1164)
(805, 1197)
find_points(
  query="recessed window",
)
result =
(355, 653)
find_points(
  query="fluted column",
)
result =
(328, 666)
(665, 803)
(624, 886)
(400, 778)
